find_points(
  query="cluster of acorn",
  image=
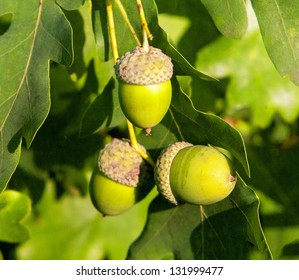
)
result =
(195, 174)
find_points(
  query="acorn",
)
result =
(145, 89)
(196, 174)
(121, 179)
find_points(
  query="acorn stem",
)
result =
(143, 20)
(111, 27)
(145, 44)
(114, 47)
(135, 145)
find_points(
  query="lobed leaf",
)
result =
(14, 206)
(39, 32)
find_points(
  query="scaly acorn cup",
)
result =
(195, 174)
(145, 89)
(121, 179)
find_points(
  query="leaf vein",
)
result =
(17, 45)
(27, 66)
(286, 33)
(161, 228)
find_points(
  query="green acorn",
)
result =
(121, 179)
(195, 174)
(145, 89)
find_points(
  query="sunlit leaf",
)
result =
(14, 206)
(278, 21)
(71, 4)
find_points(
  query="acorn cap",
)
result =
(162, 170)
(141, 67)
(121, 163)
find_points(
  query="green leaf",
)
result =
(80, 230)
(229, 229)
(254, 83)
(230, 16)
(100, 29)
(291, 250)
(104, 112)
(14, 206)
(39, 32)
(201, 29)
(275, 176)
(83, 39)
(70, 4)
(278, 21)
(199, 127)
(181, 64)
